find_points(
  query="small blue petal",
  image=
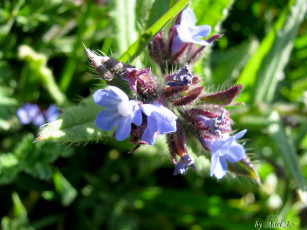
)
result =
(149, 137)
(189, 32)
(52, 113)
(235, 153)
(107, 119)
(240, 134)
(221, 146)
(109, 98)
(183, 165)
(119, 111)
(188, 17)
(180, 168)
(225, 150)
(123, 129)
(159, 119)
(30, 113)
(137, 118)
(221, 168)
(39, 120)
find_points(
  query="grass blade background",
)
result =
(287, 149)
(262, 72)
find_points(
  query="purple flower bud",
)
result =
(183, 165)
(160, 120)
(223, 150)
(30, 113)
(182, 77)
(215, 125)
(119, 111)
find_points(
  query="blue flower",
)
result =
(159, 120)
(30, 113)
(189, 32)
(119, 111)
(183, 165)
(225, 150)
(52, 113)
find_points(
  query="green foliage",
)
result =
(77, 124)
(8, 104)
(34, 159)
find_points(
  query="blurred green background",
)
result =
(87, 184)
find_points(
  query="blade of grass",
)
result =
(72, 62)
(287, 150)
(261, 74)
(137, 47)
(123, 20)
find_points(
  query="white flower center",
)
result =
(125, 108)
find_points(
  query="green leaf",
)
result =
(37, 64)
(75, 125)
(8, 105)
(139, 45)
(123, 19)
(9, 168)
(158, 8)
(67, 192)
(19, 210)
(215, 12)
(34, 159)
(226, 65)
(263, 71)
(288, 152)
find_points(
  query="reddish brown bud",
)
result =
(192, 95)
(177, 142)
(223, 98)
(157, 49)
(141, 81)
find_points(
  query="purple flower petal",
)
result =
(149, 137)
(240, 134)
(137, 118)
(108, 99)
(52, 113)
(235, 153)
(123, 129)
(30, 113)
(107, 119)
(119, 111)
(189, 32)
(188, 17)
(183, 165)
(225, 150)
(159, 119)
(220, 168)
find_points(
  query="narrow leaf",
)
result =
(287, 150)
(67, 192)
(137, 47)
(276, 60)
(123, 19)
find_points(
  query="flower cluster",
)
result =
(31, 113)
(179, 107)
